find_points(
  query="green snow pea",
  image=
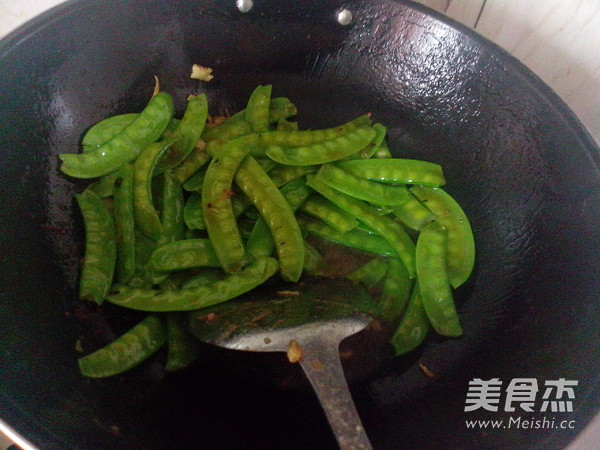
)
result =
(195, 182)
(233, 128)
(284, 174)
(127, 351)
(434, 286)
(171, 212)
(413, 214)
(184, 254)
(376, 143)
(389, 230)
(124, 223)
(323, 152)
(304, 138)
(280, 109)
(277, 213)
(322, 209)
(285, 125)
(198, 297)
(260, 242)
(314, 263)
(383, 151)
(124, 147)
(205, 277)
(105, 185)
(187, 133)
(396, 291)
(413, 326)
(146, 217)
(216, 204)
(183, 347)
(144, 247)
(106, 129)
(257, 110)
(170, 129)
(192, 212)
(190, 165)
(396, 171)
(461, 243)
(369, 273)
(361, 188)
(100, 247)
(371, 243)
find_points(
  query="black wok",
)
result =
(516, 158)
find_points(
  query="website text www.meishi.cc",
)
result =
(520, 423)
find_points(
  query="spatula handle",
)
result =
(322, 365)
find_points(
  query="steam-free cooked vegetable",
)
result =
(207, 208)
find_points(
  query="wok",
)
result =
(517, 160)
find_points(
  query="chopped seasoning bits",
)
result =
(294, 352)
(201, 73)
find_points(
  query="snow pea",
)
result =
(322, 209)
(413, 326)
(413, 214)
(231, 129)
(256, 273)
(389, 230)
(260, 242)
(190, 165)
(124, 147)
(105, 185)
(100, 247)
(257, 110)
(171, 212)
(396, 171)
(170, 129)
(184, 254)
(277, 213)
(396, 291)
(183, 347)
(363, 189)
(309, 137)
(205, 277)
(323, 152)
(383, 151)
(314, 263)
(285, 125)
(106, 129)
(461, 243)
(280, 109)
(127, 351)
(192, 212)
(284, 174)
(376, 143)
(195, 182)
(356, 238)
(370, 273)
(266, 164)
(146, 217)
(434, 286)
(216, 204)
(124, 223)
(187, 133)
(144, 247)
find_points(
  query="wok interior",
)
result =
(514, 158)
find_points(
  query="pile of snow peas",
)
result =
(187, 213)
